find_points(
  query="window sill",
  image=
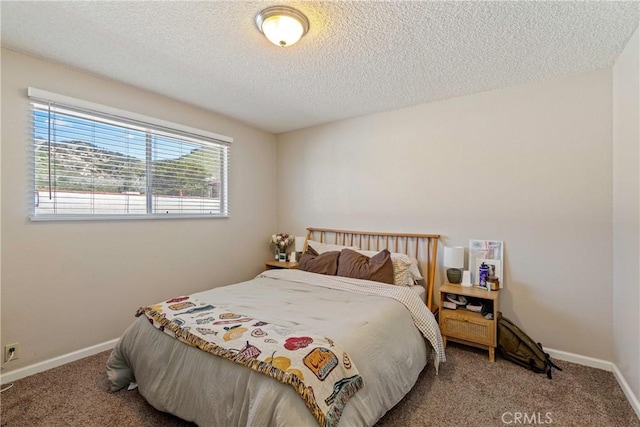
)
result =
(49, 218)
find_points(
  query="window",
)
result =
(91, 161)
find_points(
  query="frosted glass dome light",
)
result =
(282, 25)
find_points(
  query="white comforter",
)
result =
(377, 331)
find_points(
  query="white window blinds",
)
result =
(100, 162)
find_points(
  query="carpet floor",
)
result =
(469, 391)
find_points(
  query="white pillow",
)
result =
(327, 247)
(414, 270)
(405, 268)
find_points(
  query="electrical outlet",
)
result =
(11, 348)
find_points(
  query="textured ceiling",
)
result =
(358, 57)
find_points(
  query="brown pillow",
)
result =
(325, 263)
(378, 268)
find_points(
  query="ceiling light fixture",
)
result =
(282, 25)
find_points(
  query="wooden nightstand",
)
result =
(269, 265)
(468, 327)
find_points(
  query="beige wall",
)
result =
(530, 165)
(626, 213)
(70, 285)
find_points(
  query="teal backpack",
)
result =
(515, 345)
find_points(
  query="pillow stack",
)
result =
(348, 261)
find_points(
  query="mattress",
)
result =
(378, 332)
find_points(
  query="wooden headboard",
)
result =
(423, 247)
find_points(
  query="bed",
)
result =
(388, 333)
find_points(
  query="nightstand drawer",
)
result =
(468, 325)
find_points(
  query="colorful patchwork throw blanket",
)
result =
(315, 366)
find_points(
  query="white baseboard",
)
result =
(579, 359)
(632, 398)
(55, 362)
(600, 364)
